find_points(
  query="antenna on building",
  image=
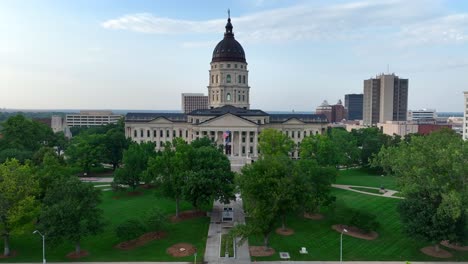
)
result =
(229, 13)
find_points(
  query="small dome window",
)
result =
(228, 97)
(228, 78)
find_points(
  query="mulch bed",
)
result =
(284, 232)
(186, 215)
(355, 232)
(442, 253)
(181, 250)
(260, 251)
(73, 255)
(457, 247)
(313, 216)
(12, 255)
(142, 240)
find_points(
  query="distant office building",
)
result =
(334, 113)
(57, 123)
(385, 99)
(465, 117)
(325, 109)
(354, 104)
(92, 118)
(422, 115)
(401, 128)
(194, 101)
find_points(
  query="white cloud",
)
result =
(409, 22)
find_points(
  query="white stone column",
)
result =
(216, 138)
(240, 143)
(247, 144)
(255, 144)
(232, 142)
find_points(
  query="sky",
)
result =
(116, 54)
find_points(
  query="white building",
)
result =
(465, 117)
(229, 121)
(92, 118)
(401, 128)
(422, 115)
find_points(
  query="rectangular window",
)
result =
(161, 133)
(292, 134)
(174, 133)
(229, 65)
(243, 150)
(287, 133)
(135, 134)
(141, 133)
(186, 133)
(154, 133)
(251, 149)
(148, 133)
(235, 66)
(161, 144)
(180, 133)
(167, 133)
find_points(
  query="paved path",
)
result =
(262, 262)
(97, 179)
(388, 194)
(217, 228)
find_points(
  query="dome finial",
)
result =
(229, 25)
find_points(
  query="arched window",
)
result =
(239, 79)
(228, 97)
(228, 78)
(216, 78)
(243, 79)
(212, 78)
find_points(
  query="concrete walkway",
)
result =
(97, 179)
(217, 228)
(388, 194)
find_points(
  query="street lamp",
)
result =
(43, 245)
(341, 244)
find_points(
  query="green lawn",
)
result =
(101, 247)
(364, 177)
(364, 189)
(323, 243)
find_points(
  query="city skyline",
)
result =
(115, 55)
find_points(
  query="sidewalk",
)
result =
(217, 228)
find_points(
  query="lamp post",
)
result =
(341, 244)
(43, 245)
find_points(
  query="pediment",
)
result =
(160, 120)
(228, 120)
(293, 121)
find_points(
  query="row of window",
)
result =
(161, 133)
(228, 66)
(293, 133)
(240, 78)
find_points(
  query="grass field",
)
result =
(101, 247)
(323, 243)
(363, 177)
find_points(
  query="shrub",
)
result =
(130, 229)
(363, 220)
(155, 220)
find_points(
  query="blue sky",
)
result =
(144, 54)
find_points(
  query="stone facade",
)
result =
(229, 122)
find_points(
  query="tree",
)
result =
(24, 134)
(60, 142)
(71, 212)
(135, 160)
(315, 184)
(261, 188)
(18, 205)
(85, 151)
(115, 143)
(170, 170)
(273, 142)
(433, 176)
(370, 140)
(210, 176)
(50, 170)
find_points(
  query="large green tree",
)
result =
(71, 212)
(18, 204)
(25, 134)
(85, 151)
(115, 143)
(433, 175)
(135, 160)
(274, 142)
(370, 141)
(210, 176)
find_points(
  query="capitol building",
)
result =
(229, 121)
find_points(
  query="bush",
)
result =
(363, 220)
(130, 229)
(155, 220)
